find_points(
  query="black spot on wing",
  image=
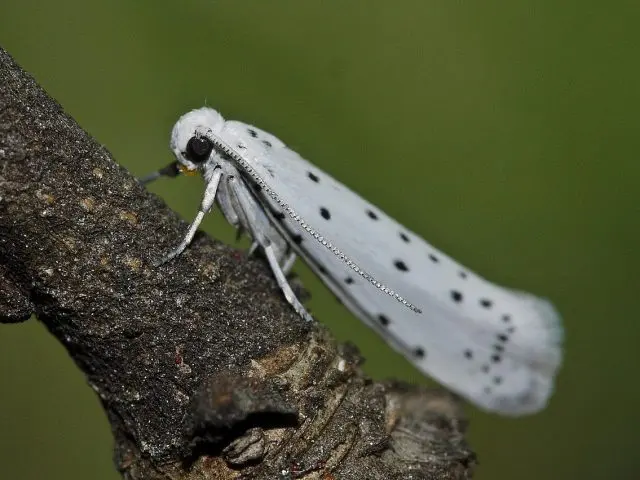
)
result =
(419, 352)
(325, 213)
(486, 303)
(400, 265)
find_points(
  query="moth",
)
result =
(499, 348)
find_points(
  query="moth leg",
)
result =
(170, 170)
(287, 265)
(259, 226)
(230, 202)
(252, 249)
(284, 284)
(207, 202)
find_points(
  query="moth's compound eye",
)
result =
(199, 148)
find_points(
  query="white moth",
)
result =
(497, 347)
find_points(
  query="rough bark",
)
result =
(204, 370)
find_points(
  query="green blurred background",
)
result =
(504, 132)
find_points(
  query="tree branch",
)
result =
(202, 367)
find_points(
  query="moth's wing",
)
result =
(497, 347)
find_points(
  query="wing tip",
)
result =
(530, 401)
(550, 323)
(546, 311)
(542, 364)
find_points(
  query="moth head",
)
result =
(191, 139)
